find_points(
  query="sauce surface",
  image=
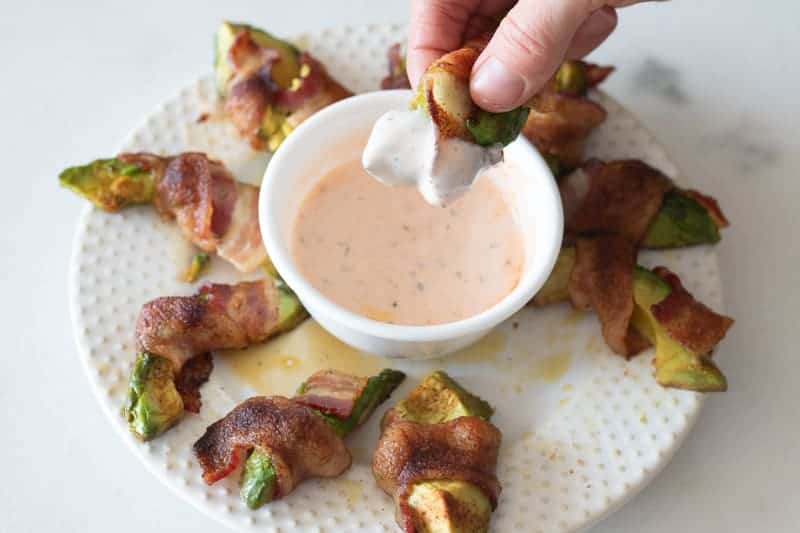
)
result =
(384, 253)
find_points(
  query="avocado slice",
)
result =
(555, 289)
(154, 404)
(676, 366)
(489, 128)
(376, 391)
(290, 311)
(681, 221)
(439, 398)
(570, 78)
(259, 481)
(283, 71)
(449, 507)
(445, 506)
(111, 184)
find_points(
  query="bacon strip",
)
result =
(464, 449)
(241, 244)
(687, 321)
(298, 441)
(221, 317)
(213, 211)
(622, 198)
(332, 392)
(191, 377)
(247, 58)
(316, 91)
(559, 124)
(602, 280)
(245, 105)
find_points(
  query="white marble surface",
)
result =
(715, 80)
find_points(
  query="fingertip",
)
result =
(416, 63)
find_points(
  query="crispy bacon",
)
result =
(241, 245)
(464, 449)
(316, 91)
(397, 77)
(221, 317)
(559, 124)
(622, 198)
(602, 280)
(248, 58)
(197, 193)
(251, 90)
(298, 441)
(332, 392)
(596, 74)
(214, 212)
(188, 381)
(246, 103)
(687, 321)
(711, 205)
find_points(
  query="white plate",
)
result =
(583, 430)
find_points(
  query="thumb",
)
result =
(524, 52)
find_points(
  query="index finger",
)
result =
(437, 27)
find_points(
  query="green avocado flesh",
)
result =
(154, 404)
(290, 311)
(449, 507)
(376, 391)
(446, 506)
(676, 366)
(110, 184)
(497, 128)
(258, 481)
(681, 221)
(440, 399)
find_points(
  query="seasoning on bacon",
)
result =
(562, 115)
(621, 197)
(687, 321)
(602, 281)
(221, 317)
(299, 443)
(408, 452)
(332, 392)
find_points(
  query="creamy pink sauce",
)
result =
(386, 254)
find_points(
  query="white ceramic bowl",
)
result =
(325, 141)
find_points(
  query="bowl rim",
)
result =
(520, 295)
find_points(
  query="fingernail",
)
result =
(601, 22)
(495, 87)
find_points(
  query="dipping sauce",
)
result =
(384, 253)
(406, 148)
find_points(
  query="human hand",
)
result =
(533, 38)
